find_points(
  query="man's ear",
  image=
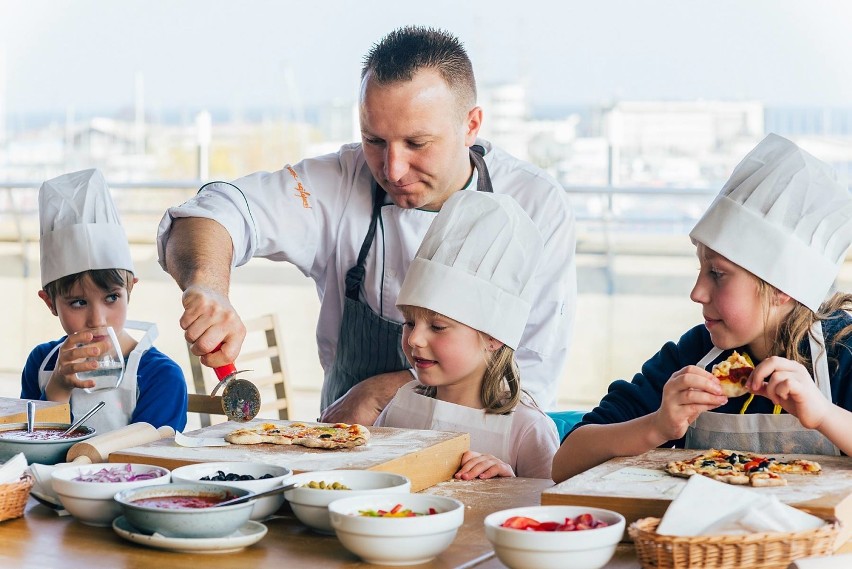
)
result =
(472, 125)
(47, 301)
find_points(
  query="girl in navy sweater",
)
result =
(769, 249)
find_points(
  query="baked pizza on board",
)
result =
(736, 467)
(733, 374)
(339, 435)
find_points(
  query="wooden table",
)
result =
(14, 410)
(41, 539)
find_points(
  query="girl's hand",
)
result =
(788, 384)
(688, 393)
(477, 465)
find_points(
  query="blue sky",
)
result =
(215, 54)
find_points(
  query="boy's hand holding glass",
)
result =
(106, 368)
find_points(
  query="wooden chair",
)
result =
(262, 353)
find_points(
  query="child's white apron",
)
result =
(489, 433)
(760, 432)
(121, 401)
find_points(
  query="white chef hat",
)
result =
(784, 217)
(80, 227)
(475, 265)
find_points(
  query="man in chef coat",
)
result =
(353, 221)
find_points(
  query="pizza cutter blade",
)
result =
(240, 398)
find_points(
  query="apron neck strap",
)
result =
(819, 359)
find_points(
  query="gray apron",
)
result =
(760, 432)
(369, 344)
(121, 401)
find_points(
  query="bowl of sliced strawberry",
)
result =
(545, 537)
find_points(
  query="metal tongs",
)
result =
(240, 397)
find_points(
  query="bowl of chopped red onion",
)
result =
(87, 491)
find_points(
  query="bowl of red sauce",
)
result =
(185, 510)
(45, 445)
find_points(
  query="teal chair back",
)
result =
(565, 420)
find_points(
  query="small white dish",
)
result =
(250, 533)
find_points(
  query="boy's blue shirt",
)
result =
(161, 386)
(643, 395)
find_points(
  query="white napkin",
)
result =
(13, 469)
(708, 507)
(192, 442)
(834, 562)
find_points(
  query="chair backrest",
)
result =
(263, 353)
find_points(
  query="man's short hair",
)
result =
(404, 51)
(104, 279)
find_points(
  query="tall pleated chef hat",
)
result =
(80, 227)
(475, 265)
(784, 217)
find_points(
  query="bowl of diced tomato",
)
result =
(554, 537)
(396, 529)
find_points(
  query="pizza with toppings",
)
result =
(735, 467)
(733, 374)
(339, 435)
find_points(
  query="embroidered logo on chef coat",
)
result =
(300, 189)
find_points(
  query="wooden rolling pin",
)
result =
(98, 448)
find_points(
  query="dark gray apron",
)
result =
(369, 344)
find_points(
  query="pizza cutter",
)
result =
(240, 398)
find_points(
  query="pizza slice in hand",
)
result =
(733, 374)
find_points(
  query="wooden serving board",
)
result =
(15, 411)
(425, 457)
(637, 487)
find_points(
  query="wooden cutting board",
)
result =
(637, 487)
(15, 411)
(425, 457)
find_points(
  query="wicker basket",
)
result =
(752, 551)
(13, 498)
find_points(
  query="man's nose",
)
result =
(396, 163)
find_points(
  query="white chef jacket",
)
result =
(316, 213)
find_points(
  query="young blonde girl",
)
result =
(769, 249)
(465, 303)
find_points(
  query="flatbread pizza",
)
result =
(743, 468)
(733, 374)
(337, 436)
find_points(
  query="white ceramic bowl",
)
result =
(396, 541)
(311, 504)
(92, 502)
(264, 507)
(582, 549)
(185, 522)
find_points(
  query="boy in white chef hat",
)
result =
(770, 247)
(466, 299)
(87, 277)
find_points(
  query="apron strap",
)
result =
(711, 355)
(819, 358)
(355, 275)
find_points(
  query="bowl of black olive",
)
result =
(253, 476)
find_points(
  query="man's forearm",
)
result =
(199, 252)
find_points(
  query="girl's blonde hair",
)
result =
(501, 384)
(791, 332)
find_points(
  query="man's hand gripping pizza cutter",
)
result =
(240, 398)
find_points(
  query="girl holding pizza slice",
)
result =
(466, 299)
(769, 248)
